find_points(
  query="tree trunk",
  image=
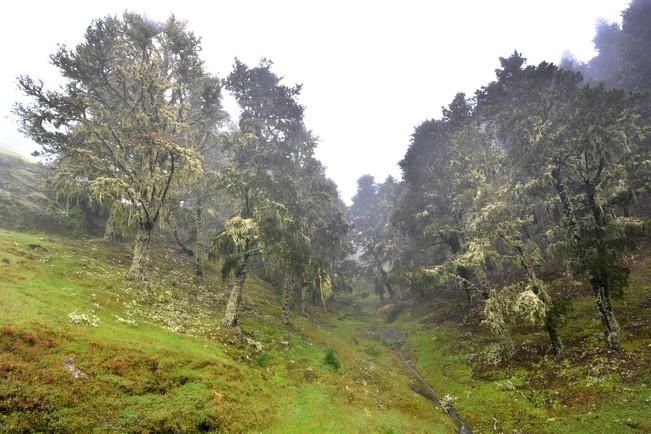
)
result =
(551, 317)
(466, 289)
(379, 289)
(568, 210)
(554, 337)
(384, 278)
(607, 315)
(465, 275)
(232, 315)
(180, 243)
(599, 278)
(287, 290)
(110, 231)
(304, 298)
(600, 290)
(199, 247)
(140, 262)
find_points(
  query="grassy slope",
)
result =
(25, 203)
(589, 391)
(158, 362)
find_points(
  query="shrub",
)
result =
(331, 359)
(262, 359)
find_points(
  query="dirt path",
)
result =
(395, 338)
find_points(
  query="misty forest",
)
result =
(168, 267)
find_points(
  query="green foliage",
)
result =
(270, 169)
(331, 359)
(373, 235)
(125, 126)
(262, 360)
(482, 186)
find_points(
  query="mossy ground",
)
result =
(588, 391)
(156, 359)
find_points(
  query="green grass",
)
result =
(589, 391)
(159, 362)
(139, 375)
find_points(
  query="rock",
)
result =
(631, 423)
(507, 385)
(217, 397)
(463, 429)
(255, 344)
(69, 364)
(310, 374)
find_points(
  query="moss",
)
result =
(145, 377)
(141, 376)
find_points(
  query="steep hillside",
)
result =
(83, 350)
(25, 200)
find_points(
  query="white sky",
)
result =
(371, 70)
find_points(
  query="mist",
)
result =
(310, 218)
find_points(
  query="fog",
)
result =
(371, 70)
(338, 217)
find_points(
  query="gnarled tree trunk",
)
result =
(110, 230)
(304, 297)
(200, 246)
(568, 210)
(598, 278)
(232, 315)
(140, 262)
(384, 277)
(551, 318)
(555, 339)
(607, 315)
(287, 290)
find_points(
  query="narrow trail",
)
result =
(395, 338)
(424, 389)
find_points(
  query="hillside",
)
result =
(26, 201)
(180, 258)
(83, 349)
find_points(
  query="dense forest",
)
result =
(220, 283)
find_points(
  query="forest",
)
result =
(167, 267)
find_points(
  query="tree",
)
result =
(450, 176)
(578, 137)
(622, 60)
(374, 236)
(325, 226)
(264, 158)
(126, 117)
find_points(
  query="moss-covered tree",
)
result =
(126, 117)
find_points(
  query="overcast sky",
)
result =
(371, 70)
